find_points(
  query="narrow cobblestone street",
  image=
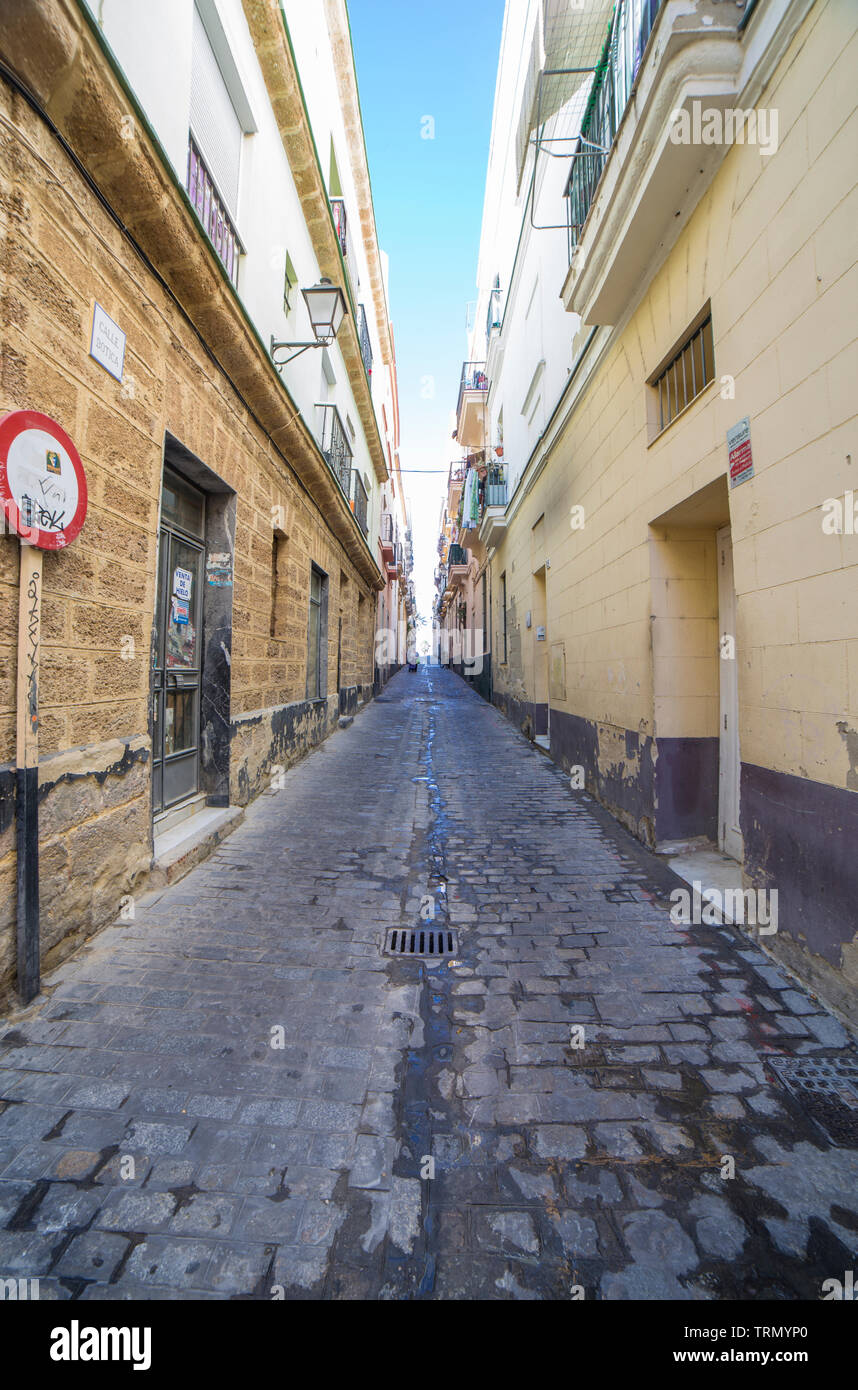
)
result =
(260, 1168)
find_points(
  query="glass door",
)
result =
(177, 649)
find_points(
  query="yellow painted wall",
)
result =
(773, 246)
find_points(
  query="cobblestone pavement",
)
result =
(259, 1167)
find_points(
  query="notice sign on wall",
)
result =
(107, 344)
(740, 458)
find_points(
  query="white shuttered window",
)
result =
(214, 123)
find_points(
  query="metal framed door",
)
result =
(177, 648)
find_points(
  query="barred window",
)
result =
(686, 374)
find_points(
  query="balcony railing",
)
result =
(495, 489)
(360, 501)
(615, 76)
(365, 345)
(212, 212)
(341, 222)
(495, 310)
(335, 446)
(387, 528)
(458, 555)
(473, 379)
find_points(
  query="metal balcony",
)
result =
(335, 446)
(211, 210)
(495, 489)
(341, 223)
(363, 337)
(617, 69)
(471, 407)
(494, 316)
(493, 513)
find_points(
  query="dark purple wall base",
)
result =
(801, 837)
(673, 797)
(627, 787)
(531, 719)
(686, 787)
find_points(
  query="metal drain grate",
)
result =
(827, 1088)
(420, 941)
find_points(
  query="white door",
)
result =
(729, 834)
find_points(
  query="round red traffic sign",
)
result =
(42, 480)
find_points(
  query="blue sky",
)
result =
(413, 61)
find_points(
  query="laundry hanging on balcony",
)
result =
(471, 501)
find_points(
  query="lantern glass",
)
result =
(326, 306)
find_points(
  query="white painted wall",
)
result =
(151, 40)
(532, 264)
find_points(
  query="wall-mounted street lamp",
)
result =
(326, 305)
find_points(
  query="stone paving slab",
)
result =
(237, 1095)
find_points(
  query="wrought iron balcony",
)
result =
(495, 310)
(473, 379)
(211, 211)
(335, 446)
(341, 222)
(630, 28)
(359, 502)
(495, 488)
(471, 407)
(458, 555)
(363, 336)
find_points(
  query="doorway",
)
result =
(542, 702)
(729, 833)
(177, 645)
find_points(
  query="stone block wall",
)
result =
(60, 251)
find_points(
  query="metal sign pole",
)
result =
(43, 497)
(29, 641)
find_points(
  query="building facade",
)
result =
(667, 347)
(187, 168)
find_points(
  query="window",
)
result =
(335, 187)
(688, 371)
(290, 280)
(278, 580)
(214, 121)
(317, 636)
(503, 616)
(215, 141)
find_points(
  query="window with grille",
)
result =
(214, 121)
(685, 375)
(214, 147)
(317, 635)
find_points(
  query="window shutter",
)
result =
(215, 125)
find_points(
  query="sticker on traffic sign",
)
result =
(42, 480)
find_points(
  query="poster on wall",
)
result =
(182, 581)
(741, 460)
